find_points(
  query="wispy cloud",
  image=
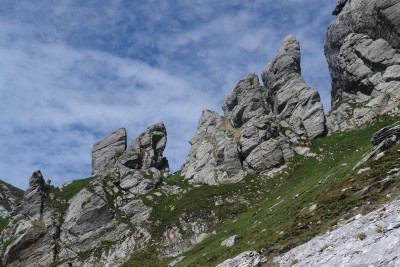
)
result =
(71, 72)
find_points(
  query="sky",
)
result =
(72, 71)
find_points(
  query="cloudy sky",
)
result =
(73, 71)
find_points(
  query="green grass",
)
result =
(70, 190)
(15, 192)
(58, 198)
(3, 223)
(278, 217)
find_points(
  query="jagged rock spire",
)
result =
(32, 204)
(105, 152)
(293, 101)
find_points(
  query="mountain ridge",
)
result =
(269, 174)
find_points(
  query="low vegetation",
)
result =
(310, 196)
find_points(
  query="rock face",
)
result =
(50, 227)
(294, 102)
(10, 196)
(32, 204)
(137, 168)
(386, 132)
(245, 259)
(370, 240)
(247, 101)
(106, 152)
(146, 151)
(214, 156)
(249, 137)
(361, 47)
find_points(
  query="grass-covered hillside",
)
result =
(272, 215)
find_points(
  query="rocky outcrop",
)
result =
(294, 102)
(361, 47)
(106, 152)
(10, 197)
(386, 132)
(137, 168)
(247, 101)
(370, 240)
(32, 204)
(31, 237)
(105, 215)
(146, 151)
(250, 137)
(214, 156)
(245, 259)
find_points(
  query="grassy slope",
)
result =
(16, 192)
(279, 216)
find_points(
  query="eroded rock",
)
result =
(361, 47)
(214, 156)
(245, 259)
(32, 204)
(146, 151)
(106, 152)
(293, 100)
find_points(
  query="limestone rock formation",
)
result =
(32, 237)
(136, 167)
(247, 100)
(146, 151)
(386, 132)
(9, 198)
(106, 152)
(294, 102)
(245, 259)
(247, 138)
(370, 240)
(214, 156)
(32, 204)
(361, 47)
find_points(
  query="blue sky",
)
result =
(73, 71)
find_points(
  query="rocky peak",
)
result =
(247, 100)
(294, 102)
(36, 180)
(247, 138)
(32, 204)
(136, 168)
(146, 151)
(106, 151)
(284, 66)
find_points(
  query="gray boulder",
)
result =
(106, 152)
(214, 156)
(294, 101)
